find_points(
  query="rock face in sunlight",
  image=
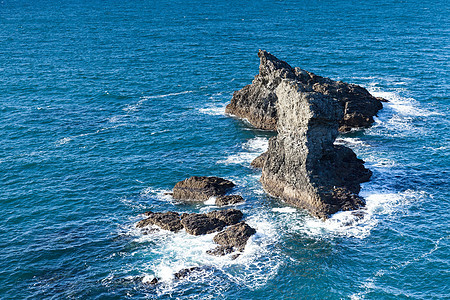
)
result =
(302, 164)
(201, 188)
(257, 102)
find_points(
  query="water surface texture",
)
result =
(105, 105)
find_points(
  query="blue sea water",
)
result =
(105, 105)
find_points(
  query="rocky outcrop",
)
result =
(303, 166)
(228, 200)
(234, 237)
(199, 224)
(257, 102)
(195, 224)
(201, 188)
(168, 221)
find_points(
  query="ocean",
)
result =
(105, 105)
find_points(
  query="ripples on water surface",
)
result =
(105, 106)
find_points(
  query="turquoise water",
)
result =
(105, 105)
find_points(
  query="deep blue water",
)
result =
(105, 105)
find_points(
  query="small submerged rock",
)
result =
(201, 188)
(220, 251)
(185, 272)
(228, 200)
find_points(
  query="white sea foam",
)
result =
(214, 110)
(211, 201)
(359, 224)
(135, 106)
(64, 141)
(67, 139)
(252, 149)
(163, 195)
(346, 141)
(167, 95)
(284, 209)
(405, 106)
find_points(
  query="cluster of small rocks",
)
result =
(237, 232)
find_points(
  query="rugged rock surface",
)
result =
(168, 220)
(228, 200)
(303, 166)
(228, 216)
(257, 102)
(199, 224)
(201, 188)
(195, 224)
(235, 237)
(259, 161)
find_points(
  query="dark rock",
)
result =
(198, 224)
(259, 161)
(154, 281)
(257, 102)
(234, 256)
(228, 199)
(228, 216)
(185, 272)
(303, 166)
(220, 251)
(168, 220)
(138, 280)
(201, 188)
(347, 200)
(235, 236)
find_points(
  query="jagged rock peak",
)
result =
(302, 165)
(257, 102)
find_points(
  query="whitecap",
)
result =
(405, 106)
(160, 194)
(252, 149)
(211, 201)
(347, 141)
(359, 223)
(64, 141)
(217, 110)
(284, 209)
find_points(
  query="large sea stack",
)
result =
(302, 165)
